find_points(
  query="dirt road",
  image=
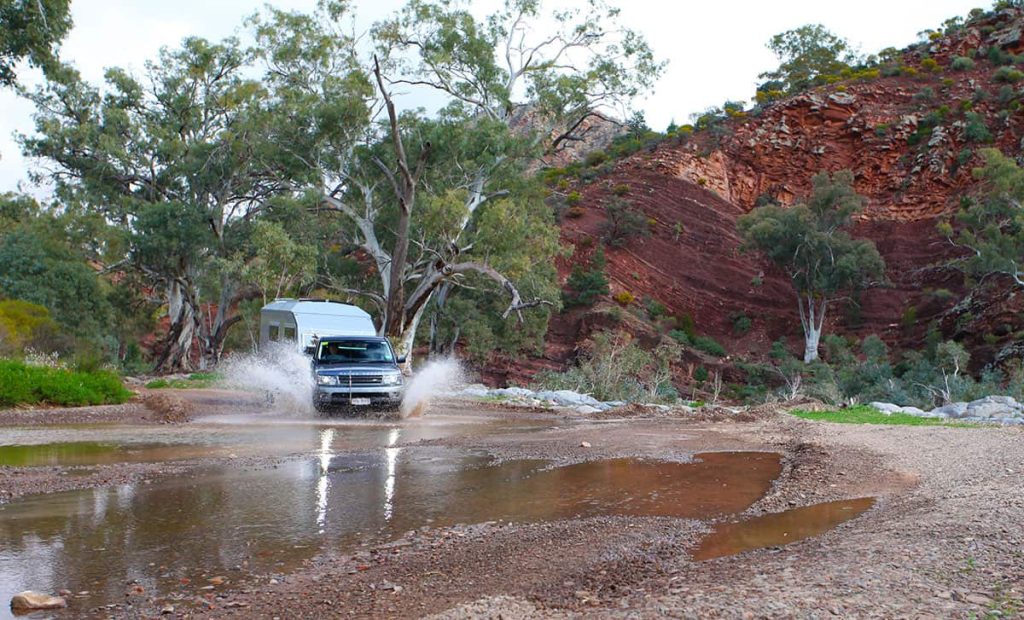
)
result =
(945, 537)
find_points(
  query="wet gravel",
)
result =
(945, 539)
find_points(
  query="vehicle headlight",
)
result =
(394, 378)
(327, 380)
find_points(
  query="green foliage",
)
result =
(21, 384)
(1008, 75)
(808, 241)
(992, 224)
(25, 325)
(31, 31)
(586, 286)
(926, 94)
(976, 129)
(573, 198)
(595, 158)
(809, 56)
(961, 63)
(741, 324)
(929, 64)
(613, 367)
(623, 222)
(621, 189)
(708, 345)
(997, 56)
(863, 414)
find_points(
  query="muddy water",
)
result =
(229, 521)
(780, 528)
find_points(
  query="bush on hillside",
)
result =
(22, 384)
(961, 63)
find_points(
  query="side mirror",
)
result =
(400, 360)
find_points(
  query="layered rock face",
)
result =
(911, 141)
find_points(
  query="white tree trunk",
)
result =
(812, 319)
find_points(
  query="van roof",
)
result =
(316, 306)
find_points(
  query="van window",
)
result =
(275, 333)
(289, 334)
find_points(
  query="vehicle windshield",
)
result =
(354, 352)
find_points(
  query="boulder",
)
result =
(513, 392)
(587, 410)
(31, 601)
(568, 398)
(886, 408)
(994, 407)
(952, 410)
(913, 411)
(476, 390)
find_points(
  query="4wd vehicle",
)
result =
(355, 372)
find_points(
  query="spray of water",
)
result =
(279, 370)
(435, 378)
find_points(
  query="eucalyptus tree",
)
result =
(810, 242)
(418, 195)
(174, 160)
(31, 30)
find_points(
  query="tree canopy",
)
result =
(991, 224)
(31, 30)
(810, 242)
(807, 56)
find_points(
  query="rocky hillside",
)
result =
(911, 140)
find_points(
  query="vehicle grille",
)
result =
(360, 379)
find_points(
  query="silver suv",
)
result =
(353, 372)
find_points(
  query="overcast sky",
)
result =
(715, 49)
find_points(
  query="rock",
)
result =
(887, 408)
(913, 411)
(29, 601)
(952, 410)
(994, 407)
(585, 444)
(978, 599)
(568, 398)
(474, 391)
(587, 409)
(167, 609)
(513, 392)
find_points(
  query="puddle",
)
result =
(271, 520)
(779, 528)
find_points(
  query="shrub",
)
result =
(929, 64)
(679, 336)
(998, 57)
(573, 199)
(613, 367)
(741, 324)
(975, 129)
(925, 94)
(655, 309)
(700, 374)
(553, 175)
(624, 298)
(596, 158)
(908, 71)
(621, 189)
(709, 345)
(575, 212)
(21, 384)
(961, 63)
(24, 324)
(623, 223)
(1008, 75)
(586, 286)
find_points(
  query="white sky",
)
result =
(715, 49)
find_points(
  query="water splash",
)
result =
(435, 378)
(279, 370)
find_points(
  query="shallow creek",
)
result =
(353, 485)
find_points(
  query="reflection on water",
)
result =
(780, 528)
(101, 539)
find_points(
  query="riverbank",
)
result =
(943, 538)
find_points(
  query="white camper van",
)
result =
(303, 321)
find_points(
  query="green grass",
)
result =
(21, 384)
(196, 380)
(862, 414)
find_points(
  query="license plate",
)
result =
(361, 401)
